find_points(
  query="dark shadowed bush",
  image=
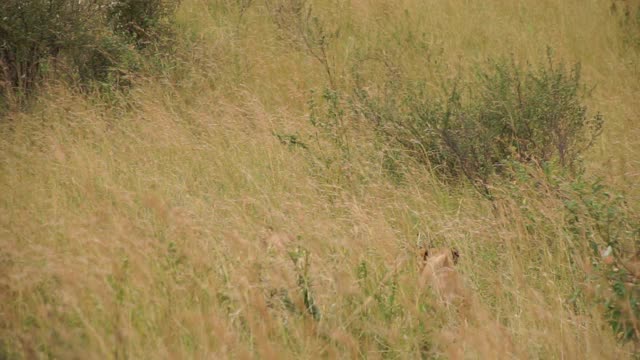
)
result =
(89, 40)
(143, 22)
(33, 32)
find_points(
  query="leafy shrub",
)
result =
(90, 39)
(33, 31)
(604, 219)
(144, 22)
(602, 234)
(504, 113)
(108, 61)
(603, 238)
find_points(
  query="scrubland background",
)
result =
(228, 203)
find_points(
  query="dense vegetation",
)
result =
(253, 178)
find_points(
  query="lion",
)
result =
(477, 328)
(438, 272)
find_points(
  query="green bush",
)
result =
(505, 112)
(35, 31)
(601, 232)
(109, 61)
(603, 218)
(92, 40)
(603, 235)
(143, 22)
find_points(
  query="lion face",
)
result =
(439, 257)
(438, 272)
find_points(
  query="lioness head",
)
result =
(439, 257)
(439, 273)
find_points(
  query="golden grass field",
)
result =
(170, 222)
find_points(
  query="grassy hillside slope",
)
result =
(202, 214)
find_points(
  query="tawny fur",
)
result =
(477, 328)
(439, 273)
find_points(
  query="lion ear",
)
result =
(425, 254)
(456, 255)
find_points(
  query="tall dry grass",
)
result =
(170, 222)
